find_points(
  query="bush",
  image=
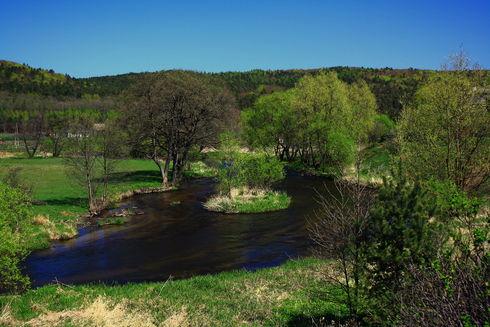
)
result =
(249, 170)
(15, 216)
(341, 150)
(12, 178)
(399, 234)
(426, 252)
(383, 129)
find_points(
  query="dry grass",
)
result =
(62, 231)
(100, 312)
(178, 319)
(6, 318)
(5, 154)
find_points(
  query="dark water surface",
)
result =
(177, 237)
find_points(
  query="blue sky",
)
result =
(90, 38)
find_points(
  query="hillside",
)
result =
(21, 78)
(392, 87)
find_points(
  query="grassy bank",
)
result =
(293, 294)
(59, 201)
(252, 201)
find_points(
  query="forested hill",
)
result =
(392, 87)
(21, 78)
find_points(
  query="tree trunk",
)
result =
(175, 180)
(165, 170)
(56, 146)
(162, 171)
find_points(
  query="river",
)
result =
(176, 237)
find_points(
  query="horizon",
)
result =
(120, 37)
(220, 72)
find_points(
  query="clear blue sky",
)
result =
(88, 38)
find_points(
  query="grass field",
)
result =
(293, 294)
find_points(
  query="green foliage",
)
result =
(271, 121)
(445, 134)
(364, 108)
(15, 220)
(398, 235)
(383, 129)
(341, 150)
(318, 122)
(249, 170)
(450, 201)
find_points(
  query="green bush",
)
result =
(13, 179)
(249, 170)
(15, 218)
(383, 129)
(398, 235)
(341, 150)
(450, 201)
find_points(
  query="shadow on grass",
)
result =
(307, 320)
(65, 202)
(135, 177)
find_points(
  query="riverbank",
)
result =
(296, 293)
(375, 162)
(60, 203)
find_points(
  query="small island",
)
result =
(249, 201)
(245, 183)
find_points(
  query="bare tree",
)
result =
(94, 150)
(337, 230)
(31, 131)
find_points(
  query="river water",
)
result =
(176, 237)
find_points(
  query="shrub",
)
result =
(249, 170)
(341, 150)
(15, 215)
(399, 234)
(12, 178)
(383, 129)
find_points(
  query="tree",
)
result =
(32, 126)
(445, 133)
(338, 230)
(271, 123)
(93, 152)
(172, 112)
(399, 234)
(452, 290)
(319, 122)
(252, 171)
(364, 109)
(57, 125)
